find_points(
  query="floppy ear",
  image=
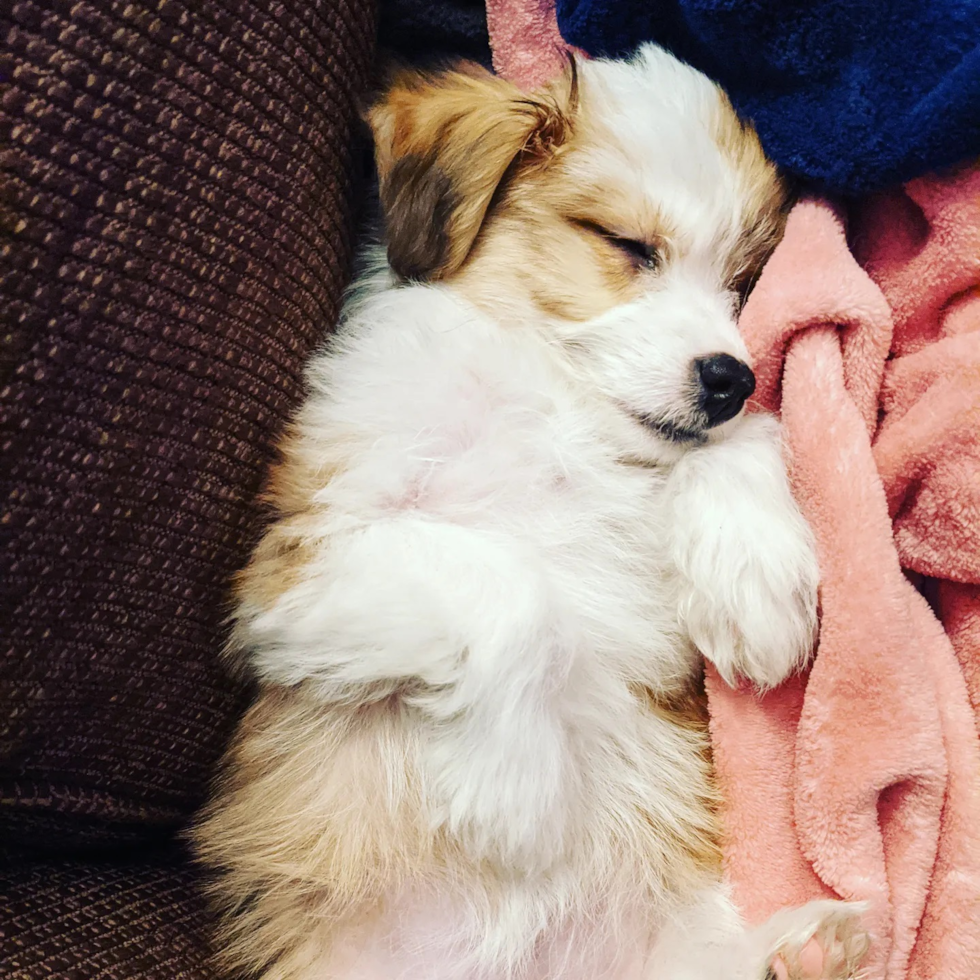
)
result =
(443, 144)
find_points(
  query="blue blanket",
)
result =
(852, 95)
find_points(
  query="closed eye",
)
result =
(642, 255)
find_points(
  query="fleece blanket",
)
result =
(851, 96)
(861, 779)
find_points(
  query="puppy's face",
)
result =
(625, 211)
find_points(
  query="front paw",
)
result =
(746, 558)
(758, 618)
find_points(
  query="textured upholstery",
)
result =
(113, 921)
(177, 178)
(175, 207)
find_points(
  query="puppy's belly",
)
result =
(423, 936)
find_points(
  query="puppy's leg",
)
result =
(463, 626)
(744, 555)
(823, 940)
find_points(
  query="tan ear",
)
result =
(443, 143)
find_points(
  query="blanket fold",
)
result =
(875, 373)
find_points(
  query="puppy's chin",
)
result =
(677, 433)
(650, 442)
(661, 440)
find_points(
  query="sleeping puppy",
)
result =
(520, 500)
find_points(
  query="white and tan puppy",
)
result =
(520, 499)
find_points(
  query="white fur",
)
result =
(512, 542)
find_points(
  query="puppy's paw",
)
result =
(761, 622)
(822, 940)
(746, 557)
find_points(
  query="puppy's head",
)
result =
(624, 210)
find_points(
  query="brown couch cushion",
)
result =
(73, 921)
(176, 206)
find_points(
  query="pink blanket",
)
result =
(863, 779)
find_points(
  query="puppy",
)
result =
(521, 498)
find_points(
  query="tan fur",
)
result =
(285, 549)
(689, 709)
(764, 193)
(443, 145)
(546, 236)
(317, 815)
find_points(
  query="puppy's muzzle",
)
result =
(725, 383)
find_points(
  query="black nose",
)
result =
(726, 383)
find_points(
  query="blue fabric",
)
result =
(850, 94)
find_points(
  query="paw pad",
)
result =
(835, 953)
